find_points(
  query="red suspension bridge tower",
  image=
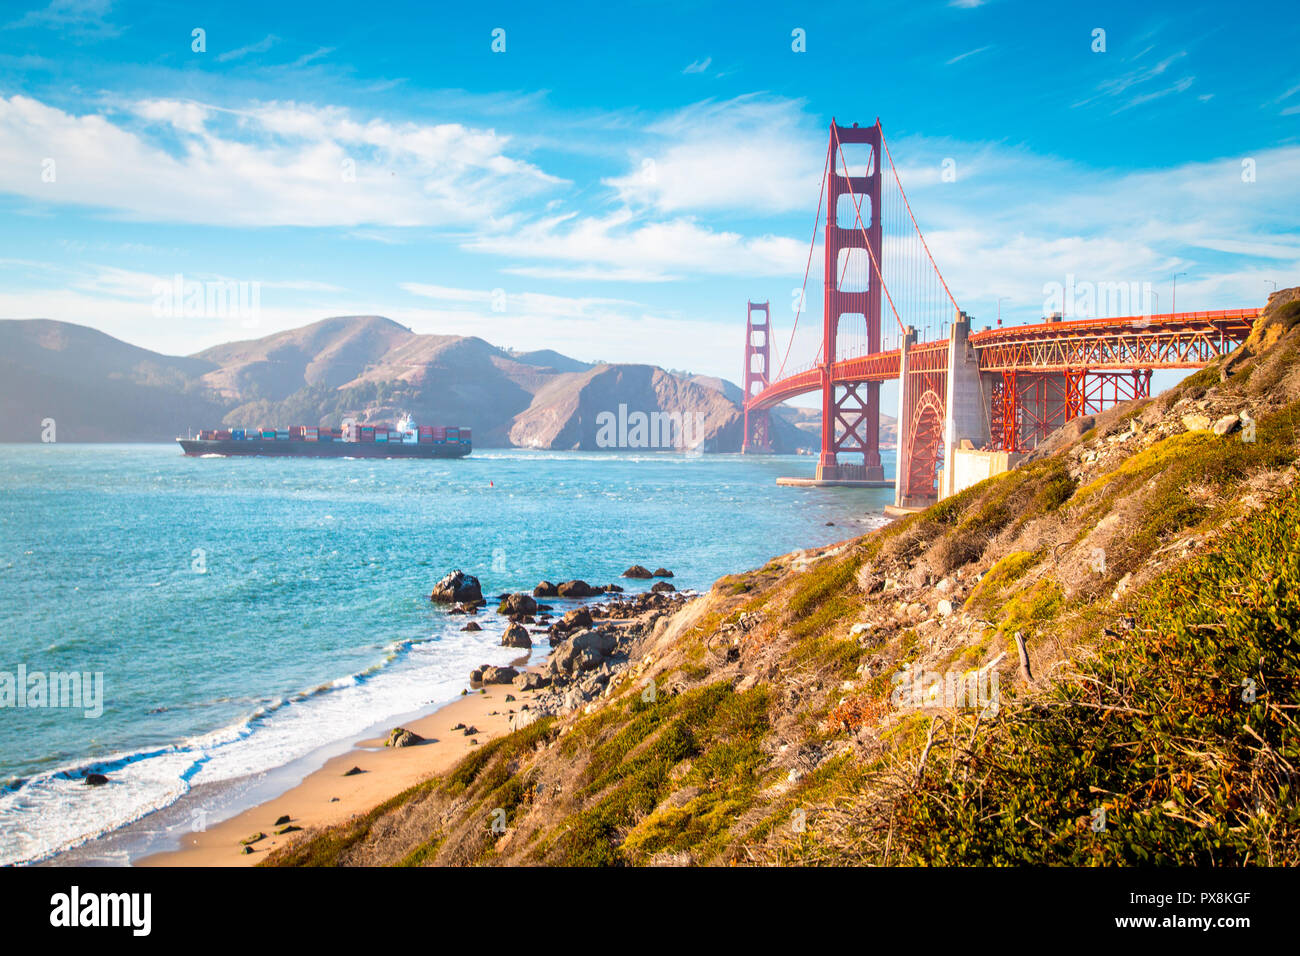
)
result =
(758, 365)
(851, 410)
(965, 397)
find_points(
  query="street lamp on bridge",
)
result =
(1000, 298)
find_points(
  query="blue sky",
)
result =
(623, 177)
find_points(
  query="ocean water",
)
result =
(246, 612)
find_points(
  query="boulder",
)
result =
(282, 820)
(471, 626)
(497, 675)
(576, 589)
(516, 635)
(665, 573)
(401, 737)
(612, 589)
(457, 587)
(95, 780)
(519, 603)
(585, 652)
(353, 772)
(578, 617)
(602, 642)
(637, 571)
(530, 680)
(1196, 423)
(662, 586)
(545, 589)
(1227, 425)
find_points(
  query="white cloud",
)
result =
(534, 303)
(274, 164)
(1013, 221)
(1128, 85)
(755, 154)
(78, 17)
(651, 249)
(261, 46)
(698, 66)
(969, 53)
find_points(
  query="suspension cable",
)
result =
(908, 205)
(803, 291)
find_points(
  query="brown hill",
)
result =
(98, 388)
(94, 387)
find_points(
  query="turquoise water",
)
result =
(245, 611)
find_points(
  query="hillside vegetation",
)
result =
(1127, 606)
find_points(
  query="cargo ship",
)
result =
(353, 440)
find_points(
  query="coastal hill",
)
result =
(1090, 659)
(98, 388)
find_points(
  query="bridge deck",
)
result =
(1173, 340)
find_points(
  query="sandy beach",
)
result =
(327, 796)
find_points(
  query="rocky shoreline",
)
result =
(589, 644)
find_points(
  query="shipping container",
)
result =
(296, 432)
(237, 434)
(439, 433)
(464, 434)
(453, 434)
(381, 437)
(282, 434)
(426, 429)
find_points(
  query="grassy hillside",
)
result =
(1135, 596)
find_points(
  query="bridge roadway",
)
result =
(1171, 341)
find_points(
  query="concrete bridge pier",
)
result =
(968, 405)
(965, 420)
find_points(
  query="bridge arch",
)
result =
(924, 445)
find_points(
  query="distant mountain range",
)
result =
(98, 388)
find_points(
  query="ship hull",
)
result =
(254, 448)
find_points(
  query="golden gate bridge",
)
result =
(888, 314)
